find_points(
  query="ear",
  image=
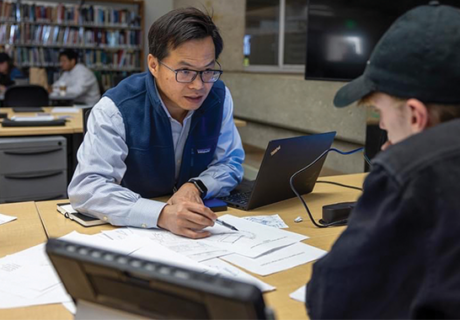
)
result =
(419, 116)
(153, 64)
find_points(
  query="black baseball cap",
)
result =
(418, 57)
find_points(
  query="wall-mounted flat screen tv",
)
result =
(341, 34)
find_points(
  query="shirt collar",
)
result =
(189, 114)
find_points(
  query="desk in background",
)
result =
(54, 99)
(72, 131)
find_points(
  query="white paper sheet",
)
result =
(274, 221)
(227, 270)
(65, 110)
(194, 249)
(4, 218)
(27, 278)
(126, 246)
(278, 260)
(33, 118)
(70, 306)
(30, 269)
(156, 252)
(299, 294)
(251, 239)
(56, 295)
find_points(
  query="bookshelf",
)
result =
(107, 34)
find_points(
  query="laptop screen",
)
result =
(282, 159)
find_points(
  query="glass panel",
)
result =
(262, 29)
(295, 32)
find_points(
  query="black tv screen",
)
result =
(341, 34)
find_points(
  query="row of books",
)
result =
(68, 13)
(94, 59)
(24, 33)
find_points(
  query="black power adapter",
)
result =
(337, 212)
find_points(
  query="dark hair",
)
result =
(70, 54)
(179, 26)
(4, 57)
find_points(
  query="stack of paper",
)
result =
(32, 118)
(27, 278)
(65, 110)
(261, 249)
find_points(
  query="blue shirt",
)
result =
(15, 73)
(95, 187)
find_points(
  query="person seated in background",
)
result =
(167, 130)
(78, 79)
(399, 256)
(8, 71)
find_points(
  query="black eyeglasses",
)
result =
(187, 75)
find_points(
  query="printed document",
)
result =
(27, 278)
(279, 260)
(274, 221)
(227, 270)
(194, 249)
(251, 239)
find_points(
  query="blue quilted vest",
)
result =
(150, 161)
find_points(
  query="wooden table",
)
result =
(73, 124)
(286, 282)
(25, 232)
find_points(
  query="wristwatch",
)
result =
(200, 186)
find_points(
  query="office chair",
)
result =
(86, 113)
(26, 96)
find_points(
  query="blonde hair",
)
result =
(437, 112)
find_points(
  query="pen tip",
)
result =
(233, 228)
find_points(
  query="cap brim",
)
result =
(353, 91)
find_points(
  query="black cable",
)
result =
(322, 225)
(340, 185)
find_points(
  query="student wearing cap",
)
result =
(168, 130)
(8, 71)
(400, 254)
(78, 80)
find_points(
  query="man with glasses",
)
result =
(168, 130)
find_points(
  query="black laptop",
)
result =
(109, 285)
(282, 159)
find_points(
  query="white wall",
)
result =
(153, 9)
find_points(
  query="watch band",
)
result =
(200, 186)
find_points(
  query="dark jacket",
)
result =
(150, 162)
(400, 255)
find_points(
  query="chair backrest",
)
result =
(86, 113)
(26, 96)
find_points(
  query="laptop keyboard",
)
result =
(241, 197)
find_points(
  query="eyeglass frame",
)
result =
(196, 73)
